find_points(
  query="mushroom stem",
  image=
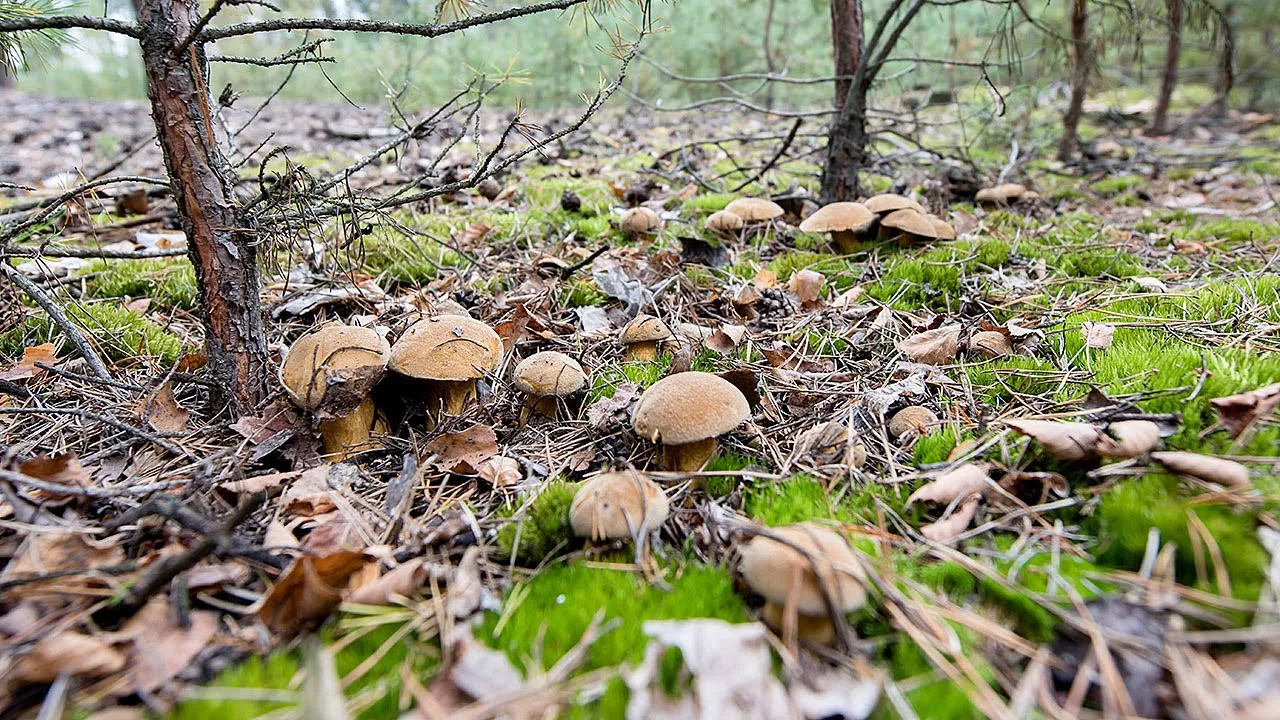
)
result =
(343, 437)
(642, 351)
(813, 629)
(690, 457)
(846, 241)
(454, 395)
(544, 406)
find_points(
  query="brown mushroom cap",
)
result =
(911, 222)
(942, 228)
(724, 221)
(769, 566)
(1003, 193)
(447, 347)
(838, 217)
(689, 407)
(644, 328)
(333, 368)
(990, 344)
(616, 505)
(913, 418)
(639, 220)
(550, 374)
(754, 209)
(886, 203)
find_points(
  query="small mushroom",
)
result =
(804, 569)
(330, 373)
(617, 506)
(1003, 194)
(684, 414)
(912, 419)
(846, 221)
(943, 228)
(450, 352)
(643, 338)
(990, 344)
(885, 203)
(724, 222)
(546, 377)
(907, 225)
(639, 221)
(755, 209)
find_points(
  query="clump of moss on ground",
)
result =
(118, 333)
(542, 528)
(169, 283)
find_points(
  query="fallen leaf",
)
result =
(807, 286)
(257, 483)
(215, 575)
(829, 444)
(475, 234)
(308, 591)
(785, 357)
(402, 581)
(1222, 471)
(161, 647)
(594, 320)
(62, 469)
(311, 494)
(1129, 439)
(946, 529)
(278, 535)
(1098, 335)
(1151, 284)
(463, 452)
(607, 411)
(958, 482)
(26, 367)
(53, 552)
(160, 410)
(1238, 412)
(500, 471)
(69, 653)
(475, 673)
(933, 347)
(1063, 440)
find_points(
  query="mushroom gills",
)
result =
(689, 457)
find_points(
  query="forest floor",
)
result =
(1088, 574)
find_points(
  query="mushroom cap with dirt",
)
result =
(910, 223)
(617, 505)
(1001, 194)
(331, 370)
(450, 352)
(643, 336)
(723, 221)
(885, 203)
(639, 220)
(780, 573)
(755, 209)
(913, 418)
(549, 374)
(685, 413)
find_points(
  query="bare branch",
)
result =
(68, 22)
(58, 317)
(8, 233)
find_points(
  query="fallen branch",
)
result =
(58, 317)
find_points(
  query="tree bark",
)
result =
(221, 241)
(1160, 118)
(847, 140)
(1226, 59)
(1069, 146)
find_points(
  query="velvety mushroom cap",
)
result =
(447, 347)
(689, 407)
(616, 505)
(770, 566)
(839, 217)
(334, 360)
(639, 220)
(550, 374)
(754, 209)
(724, 221)
(644, 328)
(1006, 192)
(913, 418)
(942, 228)
(911, 222)
(886, 203)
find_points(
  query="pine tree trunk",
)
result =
(1069, 146)
(1226, 60)
(1160, 119)
(221, 243)
(847, 141)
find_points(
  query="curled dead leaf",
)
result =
(1238, 412)
(62, 469)
(958, 482)
(807, 286)
(1063, 440)
(1222, 471)
(399, 582)
(1129, 439)
(464, 451)
(946, 529)
(308, 591)
(161, 647)
(26, 367)
(1098, 335)
(933, 347)
(500, 471)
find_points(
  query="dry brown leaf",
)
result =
(960, 481)
(161, 647)
(311, 494)
(933, 347)
(215, 574)
(1129, 439)
(500, 471)
(462, 452)
(63, 469)
(68, 652)
(1222, 471)
(279, 535)
(946, 529)
(308, 591)
(474, 234)
(26, 367)
(258, 483)
(475, 672)
(1237, 412)
(1098, 335)
(160, 410)
(403, 581)
(334, 533)
(52, 552)
(1063, 440)
(807, 286)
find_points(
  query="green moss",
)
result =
(118, 333)
(1234, 230)
(910, 284)
(934, 447)
(410, 259)
(722, 485)
(582, 292)
(544, 526)
(1113, 186)
(1099, 262)
(169, 283)
(937, 700)
(709, 202)
(794, 500)
(605, 381)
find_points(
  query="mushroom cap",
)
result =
(769, 566)
(886, 203)
(333, 368)
(839, 216)
(644, 328)
(689, 407)
(724, 221)
(991, 344)
(639, 220)
(616, 505)
(446, 347)
(753, 209)
(942, 228)
(1005, 192)
(913, 418)
(550, 374)
(911, 222)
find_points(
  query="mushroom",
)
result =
(806, 567)
(546, 377)
(724, 222)
(914, 419)
(1003, 194)
(907, 225)
(643, 338)
(885, 203)
(990, 344)
(685, 413)
(639, 221)
(846, 221)
(942, 228)
(450, 352)
(330, 373)
(754, 209)
(617, 506)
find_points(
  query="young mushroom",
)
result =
(809, 570)
(684, 414)
(885, 203)
(942, 228)
(912, 419)
(330, 373)
(546, 377)
(618, 506)
(639, 221)
(907, 225)
(449, 352)
(754, 210)
(1003, 194)
(846, 221)
(724, 222)
(643, 338)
